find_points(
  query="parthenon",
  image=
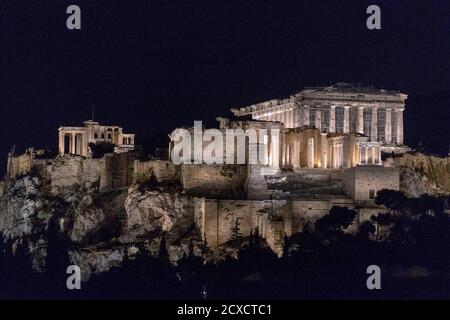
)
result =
(341, 108)
(335, 127)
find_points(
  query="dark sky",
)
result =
(151, 66)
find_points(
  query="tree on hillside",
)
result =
(391, 199)
(163, 253)
(236, 230)
(338, 219)
(366, 229)
(99, 149)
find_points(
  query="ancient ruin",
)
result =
(75, 140)
(341, 108)
(338, 146)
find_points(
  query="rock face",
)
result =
(96, 260)
(101, 227)
(21, 210)
(413, 183)
(150, 211)
(424, 174)
(67, 171)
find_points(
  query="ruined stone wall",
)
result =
(111, 171)
(19, 165)
(67, 171)
(120, 167)
(360, 180)
(256, 185)
(162, 170)
(309, 211)
(216, 218)
(308, 182)
(315, 176)
(221, 181)
(274, 219)
(30, 160)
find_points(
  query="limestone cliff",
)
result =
(100, 227)
(422, 173)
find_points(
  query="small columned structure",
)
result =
(369, 153)
(75, 140)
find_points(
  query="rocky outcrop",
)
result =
(414, 184)
(101, 228)
(150, 211)
(421, 174)
(96, 260)
(69, 171)
(22, 211)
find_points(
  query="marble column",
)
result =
(306, 115)
(359, 120)
(373, 155)
(400, 126)
(332, 119)
(297, 118)
(72, 143)
(266, 158)
(310, 153)
(297, 154)
(388, 126)
(288, 123)
(292, 118)
(275, 144)
(323, 153)
(359, 154)
(61, 142)
(366, 161)
(318, 123)
(374, 130)
(346, 127)
(379, 156)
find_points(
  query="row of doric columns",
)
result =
(346, 125)
(287, 114)
(374, 125)
(336, 152)
(358, 121)
(293, 117)
(77, 142)
(369, 155)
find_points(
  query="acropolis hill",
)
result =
(339, 146)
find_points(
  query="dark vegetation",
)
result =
(99, 149)
(322, 261)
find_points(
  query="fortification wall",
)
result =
(363, 182)
(19, 165)
(309, 211)
(112, 171)
(119, 167)
(67, 171)
(274, 219)
(214, 181)
(305, 178)
(216, 219)
(162, 170)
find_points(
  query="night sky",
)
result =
(151, 66)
